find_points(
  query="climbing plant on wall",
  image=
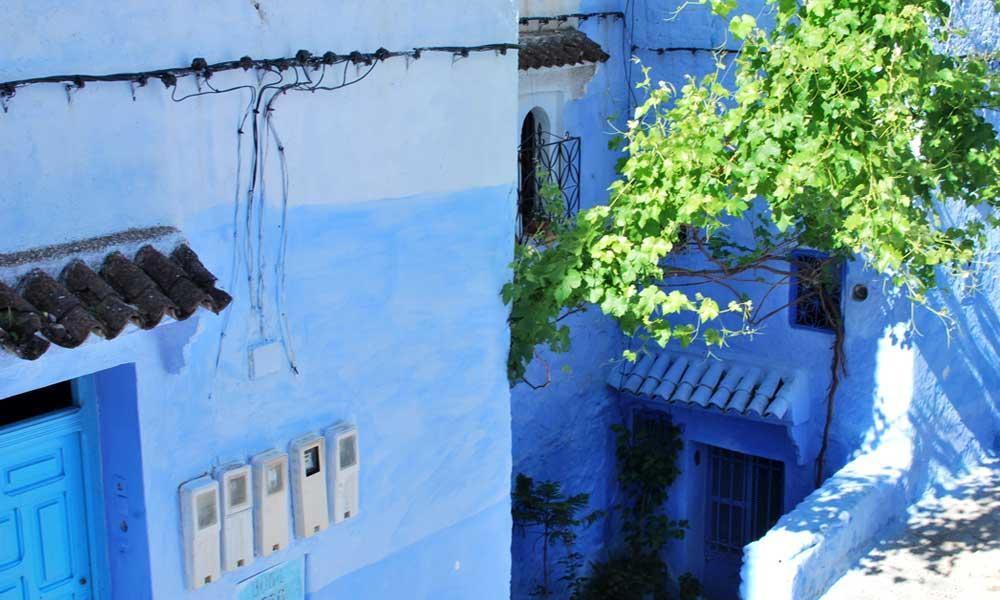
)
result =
(544, 511)
(647, 460)
(848, 127)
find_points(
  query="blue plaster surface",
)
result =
(453, 564)
(172, 33)
(399, 226)
(414, 356)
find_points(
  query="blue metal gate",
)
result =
(745, 499)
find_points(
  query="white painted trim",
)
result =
(550, 89)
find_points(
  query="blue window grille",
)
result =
(815, 291)
(745, 499)
(545, 160)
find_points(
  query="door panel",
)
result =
(44, 553)
(12, 590)
(54, 543)
(10, 540)
(42, 468)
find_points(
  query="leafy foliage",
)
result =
(543, 510)
(848, 124)
(647, 467)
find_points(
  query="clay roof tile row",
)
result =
(707, 383)
(557, 48)
(41, 309)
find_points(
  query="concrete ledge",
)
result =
(817, 542)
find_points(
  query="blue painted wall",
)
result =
(399, 224)
(907, 371)
(562, 432)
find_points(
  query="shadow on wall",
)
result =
(957, 405)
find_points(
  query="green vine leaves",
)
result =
(846, 125)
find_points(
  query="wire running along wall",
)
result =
(275, 78)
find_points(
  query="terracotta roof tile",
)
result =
(41, 310)
(557, 48)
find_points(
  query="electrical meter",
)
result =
(270, 479)
(309, 485)
(200, 530)
(235, 482)
(345, 466)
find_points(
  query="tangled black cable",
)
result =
(692, 50)
(578, 16)
(201, 68)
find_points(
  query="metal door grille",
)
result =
(745, 499)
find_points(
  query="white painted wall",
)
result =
(104, 162)
(542, 8)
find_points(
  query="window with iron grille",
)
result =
(815, 291)
(745, 499)
(545, 162)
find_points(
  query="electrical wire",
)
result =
(201, 68)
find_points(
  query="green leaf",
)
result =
(722, 8)
(742, 25)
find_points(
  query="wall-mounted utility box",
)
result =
(235, 481)
(309, 485)
(345, 471)
(270, 478)
(200, 530)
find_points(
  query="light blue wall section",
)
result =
(399, 223)
(145, 36)
(454, 564)
(390, 333)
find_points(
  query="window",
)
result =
(206, 508)
(815, 291)
(310, 459)
(36, 403)
(549, 177)
(745, 499)
(237, 491)
(275, 478)
(348, 453)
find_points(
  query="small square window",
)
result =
(237, 491)
(275, 478)
(206, 507)
(348, 452)
(310, 459)
(816, 290)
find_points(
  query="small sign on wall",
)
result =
(281, 582)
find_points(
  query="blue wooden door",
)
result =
(44, 553)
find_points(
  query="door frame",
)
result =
(82, 420)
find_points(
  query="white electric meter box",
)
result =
(235, 482)
(309, 485)
(270, 478)
(345, 471)
(200, 530)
